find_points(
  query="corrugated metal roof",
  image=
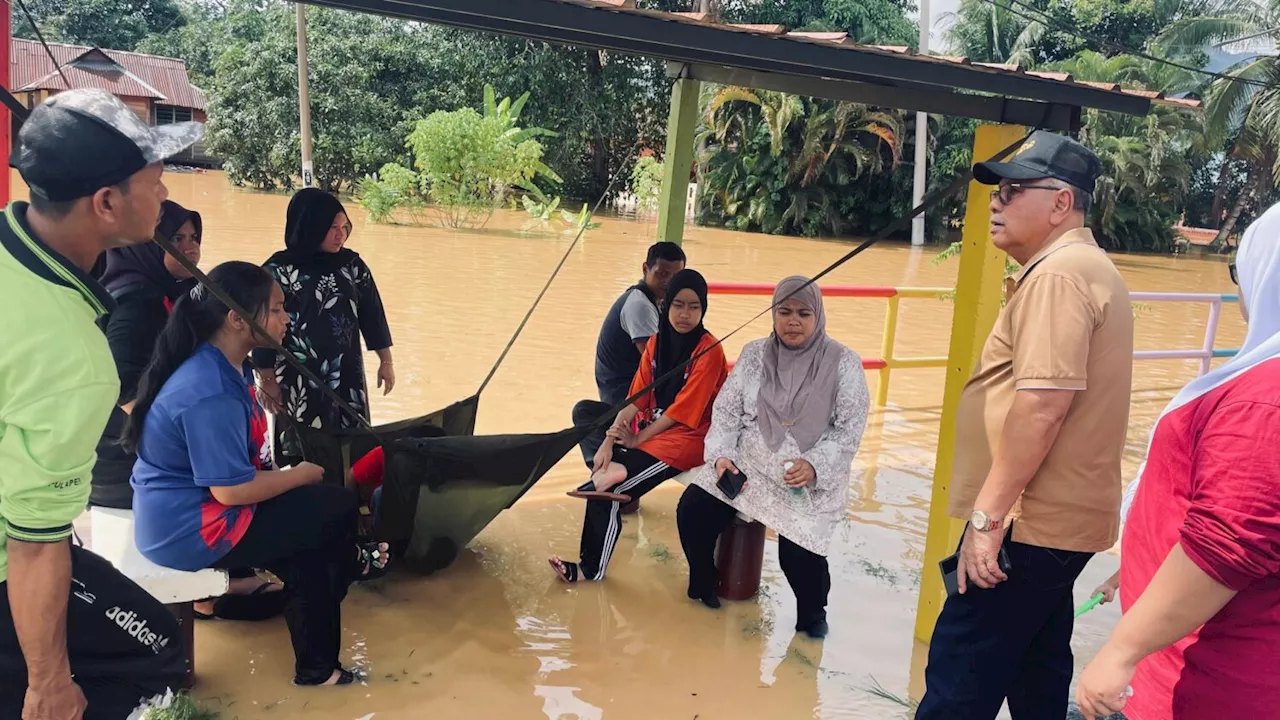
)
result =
(843, 40)
(152, 76)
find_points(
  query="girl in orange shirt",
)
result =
(659, 435)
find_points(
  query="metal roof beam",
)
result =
(652, 35)
(1048, 116)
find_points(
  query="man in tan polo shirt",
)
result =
(1040, 432)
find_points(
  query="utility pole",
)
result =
(922, 139)
(304, 96)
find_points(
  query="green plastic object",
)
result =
(1094, 602)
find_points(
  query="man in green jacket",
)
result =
(77, 638)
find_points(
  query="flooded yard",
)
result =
(496, 635)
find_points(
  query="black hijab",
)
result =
(674, 348)
(310, 216)
(143, 264)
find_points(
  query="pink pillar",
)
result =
(6, 62)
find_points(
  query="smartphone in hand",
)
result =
(731, 483)
(950, 565)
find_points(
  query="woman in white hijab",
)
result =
(790, 417)
(1200, 575)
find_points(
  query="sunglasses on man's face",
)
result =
(1231, 268)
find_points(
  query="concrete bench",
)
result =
(739, 552)
(111, 537)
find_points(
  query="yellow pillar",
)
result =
(979, 288)
(886, 350)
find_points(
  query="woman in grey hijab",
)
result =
(790, 417)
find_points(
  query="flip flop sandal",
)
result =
(368, 557)
(261, 604)
(566, 571)
(203, 615)
(599, 495)
(345, 677)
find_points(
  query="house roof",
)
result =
(122, 73)
(772, 57)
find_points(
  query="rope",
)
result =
(21, 113)
(40, 36)
(895, 226)
(564, 258)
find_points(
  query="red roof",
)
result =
(122, 73)
(1195, 235)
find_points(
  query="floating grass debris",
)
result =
(879, 572)
(879, 691)
(660, 553)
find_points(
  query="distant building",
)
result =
(156, 88)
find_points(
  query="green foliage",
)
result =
(1147, 162)
(1037, 32)
(776, 164)
(467, 163)
(780, 163)
(599, 104)
(393, 188)
(108, 24)
(646, 184)
(539, 206)
(580, 221)
(196, 38)
(366, 72)
(882, 22)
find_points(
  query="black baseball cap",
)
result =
(1045, 155)
(80, 141)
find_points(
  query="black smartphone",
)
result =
(731, 483)
(950, 565)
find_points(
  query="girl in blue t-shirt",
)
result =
(200, 500)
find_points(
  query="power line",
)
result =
(1116, 47)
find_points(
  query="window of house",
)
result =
(169, 114)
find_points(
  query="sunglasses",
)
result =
(1231, 268)
(1006, 193)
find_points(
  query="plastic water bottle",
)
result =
(786, 468)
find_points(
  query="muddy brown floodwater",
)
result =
(496, 635)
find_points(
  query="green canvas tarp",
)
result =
(442, 484)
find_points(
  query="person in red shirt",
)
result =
(1200, 577)
(658, 436)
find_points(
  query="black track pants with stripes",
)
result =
(603, 523)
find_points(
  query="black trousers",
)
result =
(306, 537)
(1010, 642)
(603, 522)
(585, 412)
(124, 646)
(701, 517)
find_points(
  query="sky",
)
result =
(937, 9)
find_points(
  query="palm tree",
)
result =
(1242, 109)
(1147, 160)
(986, 31)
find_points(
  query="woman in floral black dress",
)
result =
(332, 300)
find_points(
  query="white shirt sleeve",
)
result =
(639, 317)
(1129, 493)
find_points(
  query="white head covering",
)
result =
(1258, 269)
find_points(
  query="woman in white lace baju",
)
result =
(790, 417)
